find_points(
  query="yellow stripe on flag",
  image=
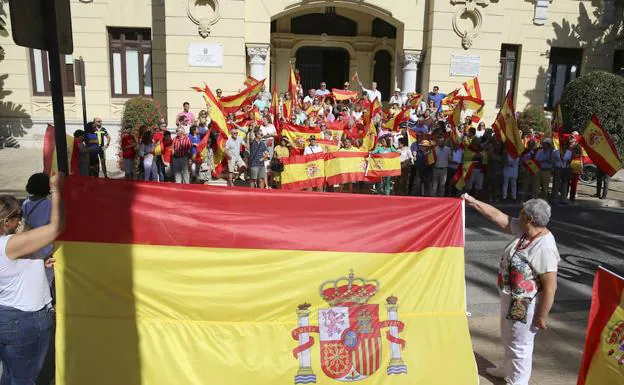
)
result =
(163, 315)
(303, 171)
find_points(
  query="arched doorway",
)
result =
(382, 73)
(317, 64)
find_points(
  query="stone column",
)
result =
(410, 71)
(257, 60)
(305, 374)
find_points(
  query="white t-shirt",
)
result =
(542, 256)
(23, 282)
(232, 147)
(309, 150)
(442, 155)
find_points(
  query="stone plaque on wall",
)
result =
(205, 55)
(465, 65)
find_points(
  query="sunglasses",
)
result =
(14, 214)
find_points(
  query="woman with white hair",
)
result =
(527, 281)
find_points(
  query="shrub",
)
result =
(535, 118)
(599, 93)
(137, 112)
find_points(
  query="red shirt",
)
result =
(126, 141)
(158, 136)
(182, 146)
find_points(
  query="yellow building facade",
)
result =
(161, 48)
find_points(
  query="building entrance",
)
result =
(317, 64)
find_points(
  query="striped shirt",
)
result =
(182, 146)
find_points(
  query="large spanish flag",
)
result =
(218, 123)
(600, 148)
(603, 358)
(303, 171)
(50, 157)
(279, 288)
(345, 167)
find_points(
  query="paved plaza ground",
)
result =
(588, 233)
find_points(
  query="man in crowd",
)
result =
(265, 95)
(189, 118)
(258, 153)
(103, 143)
(310, 96)
(233, 147)
(373, 93)
(323, 91)
(561, 173)
(436, 96)
(544, 156)
(602, 184)
(182, 148)
(397, 98)
(442, 156)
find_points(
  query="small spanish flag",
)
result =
(233, 103)
(473, 88)
(345, 167)
(461, 176)
(341, 95)
(302, 172)
(600, 148)
(430, 157)
(532, 166)
(336, 128)
(384, 164)
(507, 126)
(300, 135)
(219, 123)
(370, 140)
(50, 158)
(329, 145)
(603, 357)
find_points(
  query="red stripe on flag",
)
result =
(236, 213)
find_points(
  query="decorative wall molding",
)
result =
(473, 14)
(204, 13)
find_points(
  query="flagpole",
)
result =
(56, 86)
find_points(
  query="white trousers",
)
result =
(518, 339)
(514, 186)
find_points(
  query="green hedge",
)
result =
(600, 93)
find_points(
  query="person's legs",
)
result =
(514, 188)
(25, 337)
(557, 178)
(574, 186)
(448, 188)
(535, 184)
(186, 177)
(545, 176)
(147, 166)
(518, 344)
(605, 186)
(416, 182)
(565, 184)
(102, 155)
(442, 182)
(434, 182)
(177, 169)
(505, 186)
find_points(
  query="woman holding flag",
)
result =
(26, 312)
(527, 282)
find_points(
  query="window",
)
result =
(507, 71)
(40, 69)
(130, 61)
(319, 23)
(383, 29)
(618, 62)
(565, 66)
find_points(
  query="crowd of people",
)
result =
(431, 148)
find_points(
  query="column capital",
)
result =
(412, 57)
(257, 51)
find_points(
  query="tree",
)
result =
(599, 93)
(535, 118)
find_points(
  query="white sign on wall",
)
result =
(465, 65)
(205, 55)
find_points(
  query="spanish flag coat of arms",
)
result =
(193, 285)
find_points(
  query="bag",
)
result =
(518, 309)
(277, 165)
